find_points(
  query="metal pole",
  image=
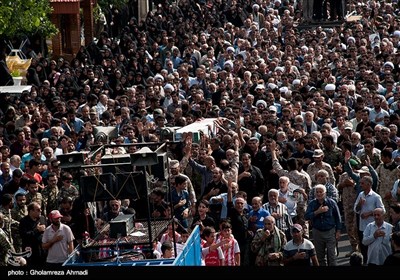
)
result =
(149, 215)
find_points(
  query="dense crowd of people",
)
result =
(306, 136)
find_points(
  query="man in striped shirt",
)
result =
(280, 212)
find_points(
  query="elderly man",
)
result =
(323, 212)
(367, 200)
(318, 165)
(280, 212)
(377, 238)
(268, 244)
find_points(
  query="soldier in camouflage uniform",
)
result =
(50, 194)
(388, 174)
(198, 156)
(17, 213)
(10, 225)
(370, 151)
(67, 189)
(349, 195)
(33, 194)
(332, 153)
(5, 243)
(349, 184)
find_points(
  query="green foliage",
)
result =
(116, 3)
(15, 73)
(28, 17)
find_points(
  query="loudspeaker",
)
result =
(144, 157)
(121, 226)
(71, 160)
(98, 187)
(160, 170)
(112, 159)
(131, 185)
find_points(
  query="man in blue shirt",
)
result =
(323, 212)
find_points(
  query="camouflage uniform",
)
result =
(37, 197)
(374, 158)
(17, 214)
(71, 192)
(194, 176)
(333, 157)
(387, 176)
(312, 170)
(5, 245)
(50, 199)
(11, 226)
(349, 196)
(7, 222)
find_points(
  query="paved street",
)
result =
(344, 248)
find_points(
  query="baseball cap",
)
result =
(173, 163)
(318, 153)
(348, 125)
(272, 108)
(55, 214)
(364, 169)
(297, 227)
(93, 110)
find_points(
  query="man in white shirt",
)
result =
(58, 240)
(377, 238)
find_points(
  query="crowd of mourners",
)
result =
(305, 144)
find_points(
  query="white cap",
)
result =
(158, 76)
(296, 82)
(272, 86)
(304, 48)
(330, 87)
(272, 108)
(261, 102)
(229, 62)
(230, 49)
(169, 86)
(283, 89)
(351, 39)
(388, 63)
(260, 86)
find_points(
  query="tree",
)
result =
(117, 3)
(25, 18)
(21, 19)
